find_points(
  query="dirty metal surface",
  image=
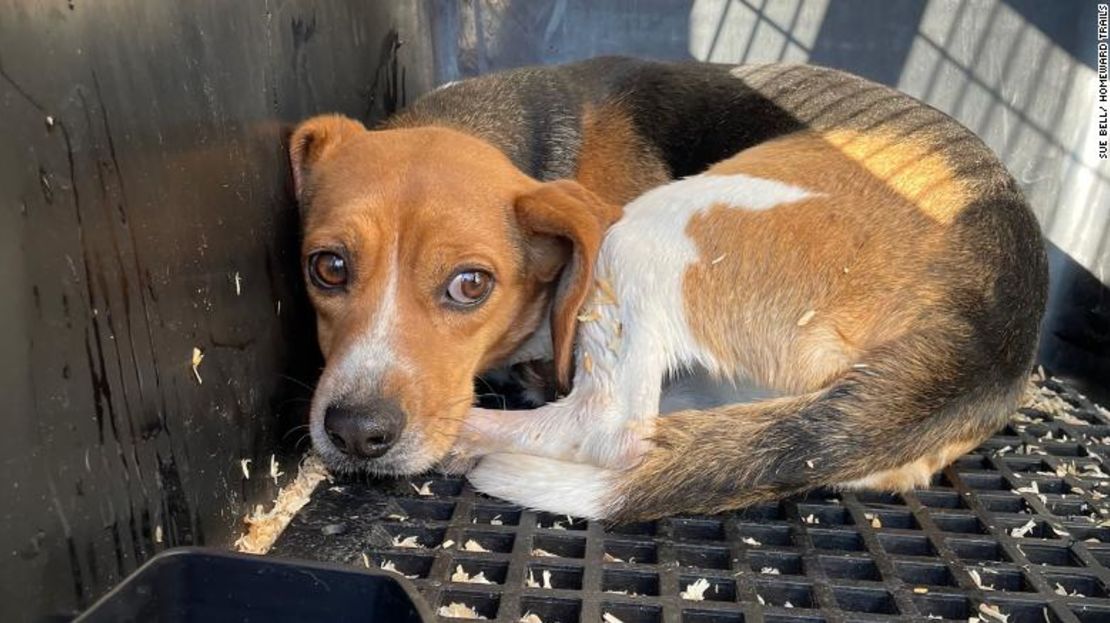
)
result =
(1017, 530)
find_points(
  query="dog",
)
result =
(860, 260)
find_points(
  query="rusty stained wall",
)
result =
(144, 211)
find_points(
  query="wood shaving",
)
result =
(920, 590)
(806, 317)
(750, 541)
(809, 464)
(610, 558)
(496, 521)
(1024, 529)
(366, 561)
(874, 519)
(542, 552)
(388, 565)
(460, 575)
(245, 465)
(158, 533)
(396, 517)
(198, 356)
(412, 542)
(264, 527)
(531, 582)
(992, 613)
(1060, 590)
(609, 618)
(456, 610)
(787, 604)
(811, 519)
(424, 489)
(770, 571)
(275, 469)
(588, 366)
(447, 544)
(759, 598)
(696, 590)
(975, 577)
(238, 284)
(717, 260)
(474, 546)
(530, 618)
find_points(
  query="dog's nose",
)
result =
(366, 430)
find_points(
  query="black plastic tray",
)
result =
(859, 557)
(193, 584)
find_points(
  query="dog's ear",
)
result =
(565, 224)
(312, 140)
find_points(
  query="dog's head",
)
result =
(429, 258)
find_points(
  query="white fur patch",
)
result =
(647, 252)
(545, 484)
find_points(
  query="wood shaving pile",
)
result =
(531, 582)
(460, 575)
(388, 565)
(988, 612)
(264, 527)
(412, 542)
(474, 546)
(696, 590)
(456, 610)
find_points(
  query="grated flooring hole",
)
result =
(704, 557)
(768, 562)
(632, 552)
(917, 573)
(493, 570)
(630, 582)
(978, 549)
(907, 544)
(944, 605)
(633, 612)
(1076, 585)
(712, 616)
(551, 609)
(484, 603)
(562, 577)
(495, 515)
(777, 593)
(558, 545)
(850, 568)
(858, 599)
(720, 589)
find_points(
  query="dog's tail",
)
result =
(889, 422)
(908, 409)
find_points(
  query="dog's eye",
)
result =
(327, 270)
(469, 287)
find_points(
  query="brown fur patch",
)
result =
(615, 161)
(799, 292)
(915, 473)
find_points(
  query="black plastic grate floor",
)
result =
(1016, 531)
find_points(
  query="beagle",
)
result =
(856, 261)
